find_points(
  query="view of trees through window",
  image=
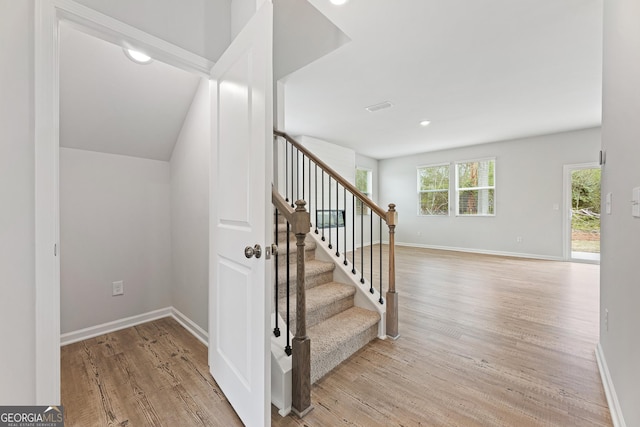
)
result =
(475, 190)
(364, 184)
(585, 209)
(433, 190)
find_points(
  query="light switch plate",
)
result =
(635, 202)
(118, 288)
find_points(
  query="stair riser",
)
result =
(318, 279)
(320, 368)
(323, 313)
(309, 254)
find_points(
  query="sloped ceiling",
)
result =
(110, 104)
(301, 35)
(480, 71)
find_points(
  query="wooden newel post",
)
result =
(392, 295)
(301, 344)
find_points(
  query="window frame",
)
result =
(369, 195)
(420, 191)
(457, 188)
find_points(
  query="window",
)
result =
(475, 187)
(433, 190)
(364, 183)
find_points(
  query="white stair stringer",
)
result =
(342, 273)
(280, 369)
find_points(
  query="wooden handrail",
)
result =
(299, 220)
(336, 176)
(282, 205)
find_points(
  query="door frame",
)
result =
(49, 14)
(566, 211)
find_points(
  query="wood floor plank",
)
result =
(485, 341)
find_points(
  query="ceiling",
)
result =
(480, 71)
(111, 104)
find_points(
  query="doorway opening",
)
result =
(584, 213)
(51, 16)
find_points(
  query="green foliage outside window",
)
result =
(476, 187)
(433, 190)
(585, 199)
(363, 183)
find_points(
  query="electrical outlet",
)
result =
(606, 319)
(118, 288)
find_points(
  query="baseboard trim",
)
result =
(481, 251)
(116, 325)
(609, 389)
(190, 326)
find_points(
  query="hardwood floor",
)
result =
(154, 374)
(485, 341)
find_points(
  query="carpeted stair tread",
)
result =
(338, 329)
(338, 337)
(323, 301)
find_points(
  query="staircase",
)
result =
(326, 306)
(337, 327)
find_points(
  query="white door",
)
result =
(239, 295)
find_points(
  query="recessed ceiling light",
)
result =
(425, 123)
(338, 2)
(137, 56)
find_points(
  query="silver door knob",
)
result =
(253, 251)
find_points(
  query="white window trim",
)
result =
(457, 190)
(448, 190)
(370, 184)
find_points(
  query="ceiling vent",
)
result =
(378, 107)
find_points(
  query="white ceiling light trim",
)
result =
(137, 56)
(338, 2)
(425, 123)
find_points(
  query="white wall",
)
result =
(190, 211)
(114, 225)
(528, 184)
(200, 26)
(343, 161)
(17, 214)
(620, 286)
